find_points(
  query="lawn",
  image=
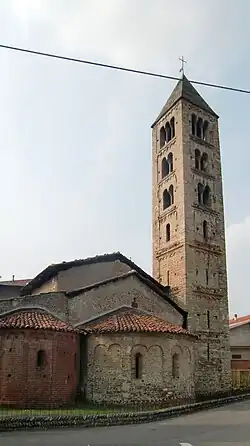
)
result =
(87, 410)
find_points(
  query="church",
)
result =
(102, 330)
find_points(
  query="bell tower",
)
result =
(189, 252)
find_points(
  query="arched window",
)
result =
(200, 193)
(175, 365)
(40, 359)
(168, 132)
(166, 199)
(197, 159)
(199, 128)
(205, 229)
(171, 193)
(170, 162)
(207, 196)
(168, 232)
(162, 136)
(193, 125)
(172, 125)
(204, 159)
(205, 131)
(164, 168)
(138, 366)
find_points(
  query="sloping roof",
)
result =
(132, 320)
(19, 282)
(184, 90)
(34, 319)
(52, 270)
(152, 284)
(236, 322)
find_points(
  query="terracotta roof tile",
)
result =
(132, 320)
(239, 320)
(35, 320)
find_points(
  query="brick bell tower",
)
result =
(189, 252)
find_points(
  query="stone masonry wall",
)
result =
(55, 303)
(101, 299)
(111, 368)
(194, 267)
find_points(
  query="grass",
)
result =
(87, 410)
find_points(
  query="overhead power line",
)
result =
(114, 67)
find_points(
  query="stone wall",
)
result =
(24, 383)
(55, 303)
(81, 276)
(113, 295)
(193, 265)
(111, 368)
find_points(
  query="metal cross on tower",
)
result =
(182, 64)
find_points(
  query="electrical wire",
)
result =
(114, 67)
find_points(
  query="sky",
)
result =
(75, 140)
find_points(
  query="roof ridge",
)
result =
(184, 90)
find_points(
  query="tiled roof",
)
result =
(20, 282)
(239, 321)
(184, 90)
(132, 320)
(37, 320)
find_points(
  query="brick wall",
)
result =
(25, 384)
(111, 368)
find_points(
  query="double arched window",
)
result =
(204, 195)
(167, 165)
(167, 132)
(199, 127)
(201, 160)
(168, 197)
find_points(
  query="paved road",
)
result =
(227, 426)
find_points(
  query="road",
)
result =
(226, 426)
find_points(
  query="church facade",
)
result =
(101, 329)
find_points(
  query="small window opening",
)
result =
(166, 199)
(206, 276)
(205, 130)
(206, 196)
(138, 366)
(204, 159)
(168, 132)
(172, 125)
(162, 136)
(171, 193)
(208, 319)
(193, 125)
(167, 278)
(168, 232)
(164, 168)
(205, 230)
(208, 351)
(199, 127)
(175, 366)
(197, 159)
(40, 358)
(170, 162)
(200, 193)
